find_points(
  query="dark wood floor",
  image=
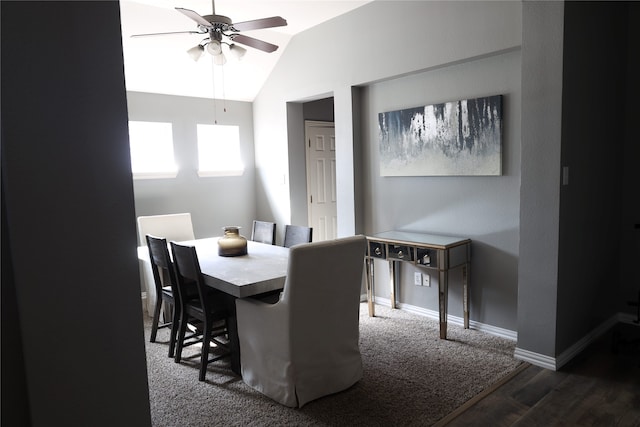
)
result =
(600, 387)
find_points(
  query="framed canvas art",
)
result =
(455, 138)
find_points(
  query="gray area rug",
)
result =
(411, 378)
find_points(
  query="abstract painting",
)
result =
(455, 138)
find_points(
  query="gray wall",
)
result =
(212, 201)
(485, 209)
(542, 32)
(70, 237)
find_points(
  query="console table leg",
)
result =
(465, 297)
(392, 283)
(370, 280)
(443, 290)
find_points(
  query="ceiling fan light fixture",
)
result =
(195, 52)
(214, 48)
(237, 51)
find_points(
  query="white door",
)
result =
(321, 179)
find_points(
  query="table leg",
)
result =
(393, 272)
(443, 290)
(370, 283)
(465, 298)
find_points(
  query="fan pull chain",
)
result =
(224, 97)
(213, 84)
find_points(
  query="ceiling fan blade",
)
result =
(168, 33)
(195, 16)
(254, 43)
(256, 24)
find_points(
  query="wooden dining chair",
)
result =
(210, 308)
(176, 227)
(264, 232)
(296, 234)
(163, 273)
(166, 291)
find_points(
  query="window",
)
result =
(219, 151)
(151, 145)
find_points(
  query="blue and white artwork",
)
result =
(454, 138)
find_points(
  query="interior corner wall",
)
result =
(542, 50)
(66, 177)
(594, 68)
(213, 202)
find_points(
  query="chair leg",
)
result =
(156, 319)
(206, 343)
(175, 324)
(181, 333)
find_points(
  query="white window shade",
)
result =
(151, 145)
(219, 151)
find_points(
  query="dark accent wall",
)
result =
(70, 236)
(630, 185)
(15, 397)
(594, 121)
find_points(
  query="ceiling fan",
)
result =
(219, 29)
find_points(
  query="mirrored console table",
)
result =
(434, 252)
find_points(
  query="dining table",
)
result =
(261, 271)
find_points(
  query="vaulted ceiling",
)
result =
(160, 64)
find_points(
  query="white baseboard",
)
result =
(454, 320)
(537, 359)
(555, 363)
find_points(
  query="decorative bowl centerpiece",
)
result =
(232, 243)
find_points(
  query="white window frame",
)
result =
(159, 132)
(210, 136)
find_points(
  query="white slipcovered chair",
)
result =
(172, 227)
(305, 346)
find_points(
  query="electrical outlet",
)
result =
(426, 280)
(417, 278)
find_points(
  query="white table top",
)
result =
(263, 269)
